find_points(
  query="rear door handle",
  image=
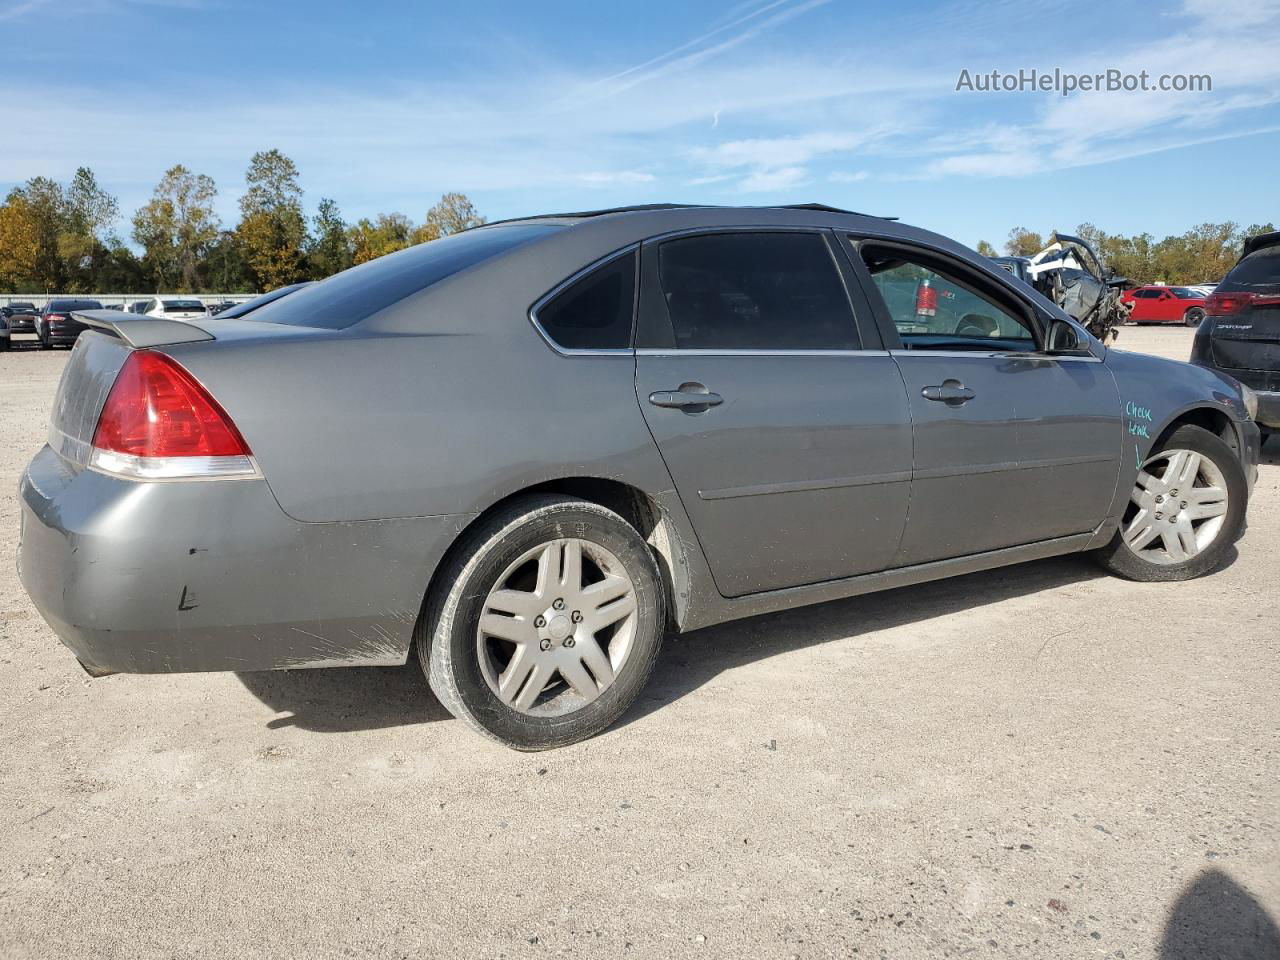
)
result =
(691, 397)
(951, 392)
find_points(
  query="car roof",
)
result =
(569, 218)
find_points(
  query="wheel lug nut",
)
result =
(558, 604)
(1159, 499)
(1159, 515)
(544, 645)
(539, 621)
(576, 616)
(1184, 504)
(569, 641)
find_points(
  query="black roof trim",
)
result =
(643, 207)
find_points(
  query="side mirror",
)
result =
(1064, 338)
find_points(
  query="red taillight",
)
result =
(157, 409)
(1225, 304)
(57, 316)
(926, 299)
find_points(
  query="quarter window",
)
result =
(935, 309)
(595, 312)
(755, 291)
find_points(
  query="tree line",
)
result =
(57, 237)
(1201, 255)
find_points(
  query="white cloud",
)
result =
(616, 176)
(849, 176)
(780, 178)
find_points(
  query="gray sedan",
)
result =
(525, 453)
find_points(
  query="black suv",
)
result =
(1240, 334)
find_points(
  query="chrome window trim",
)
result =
(569, 281)
(706, 352)
(995, 354)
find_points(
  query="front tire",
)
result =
(1186, 510)
(545, 624)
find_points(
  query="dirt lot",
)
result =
(1036, 762)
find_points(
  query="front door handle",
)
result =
(690, 397)
(951, 392)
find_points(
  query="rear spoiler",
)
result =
(1261, 241)
(139, 331)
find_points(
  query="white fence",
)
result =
(123, 299)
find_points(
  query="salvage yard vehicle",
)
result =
(526, 452)
(1157, 304)
(1070, 273)
(1242, 334)
(55, 326)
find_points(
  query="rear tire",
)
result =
(1164, 555)
(545, 624)
(1193, 317)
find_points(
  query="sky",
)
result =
(552, 106)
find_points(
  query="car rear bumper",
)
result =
(1268, 409)
(157, 577)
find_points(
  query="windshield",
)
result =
(1260, 269)
(357, 294)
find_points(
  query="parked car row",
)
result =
(53, 326)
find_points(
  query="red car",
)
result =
(1165, 305)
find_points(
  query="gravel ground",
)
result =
(1036, 762)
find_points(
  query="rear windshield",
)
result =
(183, 306)
(241, 309)
(1260, 269)
(356, 294)
(57, 306)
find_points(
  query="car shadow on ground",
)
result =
(693, 659)
(1216, 917)
(365, 698)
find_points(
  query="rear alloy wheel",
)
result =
(1186, 509)
(1193, 316)
(546, 624)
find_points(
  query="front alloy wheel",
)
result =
(1178, 507)
(1185, 511)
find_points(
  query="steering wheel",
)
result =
(976, 325)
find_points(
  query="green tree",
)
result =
(226, 270)
(1023, 243)
(453, 214)
(330, 249)
(273, 232)
(89, 212)
(372, 239)
(176, 227)
(19, 243)
(987, 250)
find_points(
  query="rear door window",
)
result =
(755, 291)
(594, 312)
